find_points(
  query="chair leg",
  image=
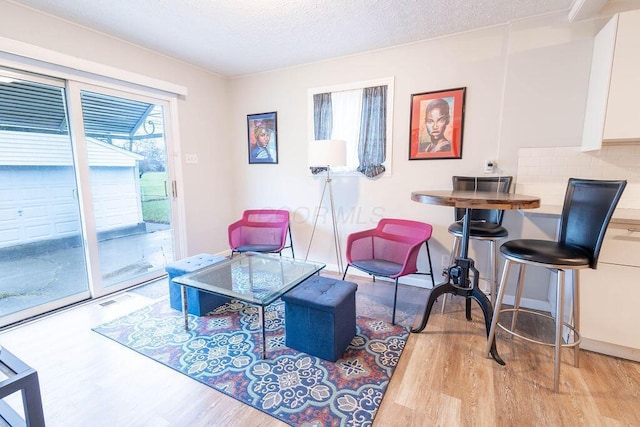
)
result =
(444, 302)
(559, 326)
(497, 307)
(576, 314)
(517, 297)
(395, 299)
(293, 255)
(493, 270)
(433, 280)
(345, 272)
(455, 250)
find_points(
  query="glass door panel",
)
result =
(127, 159)
(42, 257)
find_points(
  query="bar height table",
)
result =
(458, 280)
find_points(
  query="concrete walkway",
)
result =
(32, 280)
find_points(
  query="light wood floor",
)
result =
(442, 379)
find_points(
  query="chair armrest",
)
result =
(356, 248)
(234, 233)
(410, 264)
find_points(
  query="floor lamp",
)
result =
(323, 154)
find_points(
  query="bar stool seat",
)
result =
(480, 230)
(545, 253)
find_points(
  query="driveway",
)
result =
(34, 279)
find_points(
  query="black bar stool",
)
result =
(587, 210)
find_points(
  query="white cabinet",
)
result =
(610, 296)
(612, 114)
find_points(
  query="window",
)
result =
(360, 114)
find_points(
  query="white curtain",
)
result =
(347, 108)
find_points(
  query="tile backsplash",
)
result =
(545, 171)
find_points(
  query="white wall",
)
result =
(526, 86)
(202, 114)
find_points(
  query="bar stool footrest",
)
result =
(577, 339)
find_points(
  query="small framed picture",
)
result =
(262, 141)
(437, 120)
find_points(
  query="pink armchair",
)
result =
(261, 230)
(389, 250)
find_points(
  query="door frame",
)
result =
(33, 61)
(79, 143)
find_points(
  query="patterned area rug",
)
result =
(222, 350)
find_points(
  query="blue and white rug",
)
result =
(222, 350)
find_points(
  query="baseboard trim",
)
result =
(611, 349)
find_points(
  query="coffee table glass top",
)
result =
(252, 277)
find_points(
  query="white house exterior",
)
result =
(38, 188)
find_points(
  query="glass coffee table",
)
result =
(255, 278)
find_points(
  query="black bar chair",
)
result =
(485, 225)
(586, 213)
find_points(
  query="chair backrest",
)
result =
(260, 227)
(587, 210)
(391, 240)
(404, 230)
(266, 215)
(399, 240)
(498, 184)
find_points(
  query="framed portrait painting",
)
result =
(262, 135)
(437, 120)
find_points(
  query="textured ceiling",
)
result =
(239, 37)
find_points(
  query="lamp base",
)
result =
(336, 236)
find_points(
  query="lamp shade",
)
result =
(327, 152)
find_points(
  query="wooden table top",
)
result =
(476, 199)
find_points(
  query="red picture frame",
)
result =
(437, 120)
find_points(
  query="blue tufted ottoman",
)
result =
(198, 302)
(320, 317)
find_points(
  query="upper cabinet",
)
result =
(612, 113)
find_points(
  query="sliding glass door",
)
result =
(130, 185)
(86, 201)
(42, 253)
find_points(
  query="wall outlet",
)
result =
(191, 159)
(490, 166)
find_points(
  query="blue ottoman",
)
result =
(198, 302)
(320, 317)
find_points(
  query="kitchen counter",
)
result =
(620, 215)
